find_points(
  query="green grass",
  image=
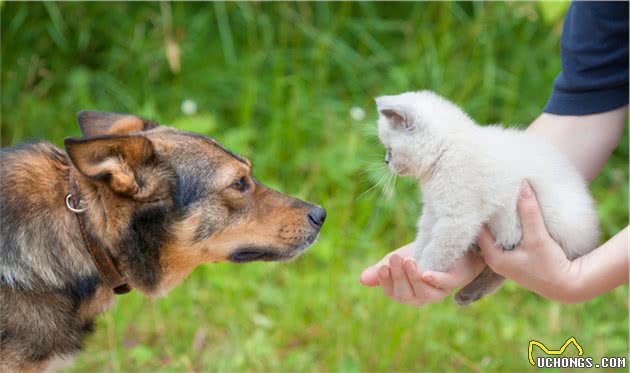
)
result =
(275, 82)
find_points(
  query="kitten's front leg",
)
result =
(449, 241)
(425, 225)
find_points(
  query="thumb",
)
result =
(465, 270)
(487, 245)
(532, 222)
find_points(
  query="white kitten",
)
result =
(472, 175)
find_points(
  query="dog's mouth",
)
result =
(269, 254)
(251, 254)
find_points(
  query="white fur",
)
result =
(471, 175)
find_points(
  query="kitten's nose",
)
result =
(387, 157)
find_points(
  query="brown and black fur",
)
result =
(162, 201)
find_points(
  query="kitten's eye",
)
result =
(241, 184)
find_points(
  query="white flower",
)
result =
(189, 107)
(357, 113)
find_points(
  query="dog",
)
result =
(130, 205)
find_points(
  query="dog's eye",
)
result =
(241, 184)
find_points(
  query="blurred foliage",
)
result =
(275, 82)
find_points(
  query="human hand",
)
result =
(538, 263)
(402, 280)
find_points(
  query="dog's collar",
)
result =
(100, 256)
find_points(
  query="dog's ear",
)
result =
(97, 123)
(115, 160)
(397, 116)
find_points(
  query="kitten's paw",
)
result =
(474, 247)
(432, 264)
(510, 247)
(433, 259)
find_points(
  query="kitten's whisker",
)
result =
(374, 167)
(377, 184)
(385, 187)
(377, 159)
(389, 190)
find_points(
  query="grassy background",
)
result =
(275, 82)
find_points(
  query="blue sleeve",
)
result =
(594, 76)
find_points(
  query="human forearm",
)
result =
(588, 140)
(599, 271)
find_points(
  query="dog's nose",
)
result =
(317, 216)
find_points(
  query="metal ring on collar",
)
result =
(71, 208)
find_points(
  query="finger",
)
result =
(414, 276)
(487, 245)
(474, 264)
(426, 293)
(369, 276)
(465, 270)
(532, 222)
(385, 280)
(433, 295)
(440, 280)
(402, 287)
(423, 293)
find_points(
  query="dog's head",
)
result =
(165, 201)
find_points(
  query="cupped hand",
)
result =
(538, 263)
(401, 279)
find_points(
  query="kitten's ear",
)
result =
(397, 116)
